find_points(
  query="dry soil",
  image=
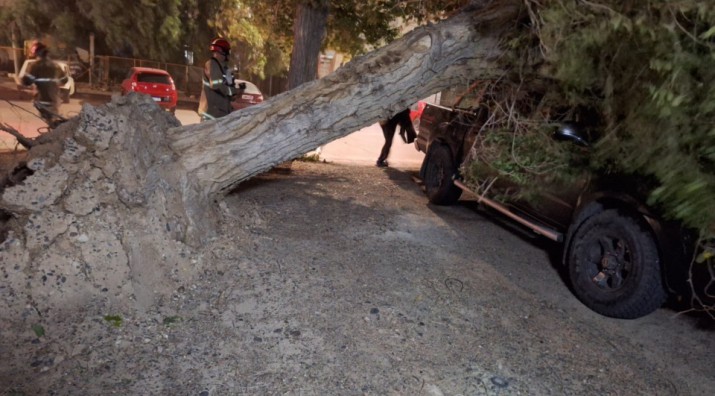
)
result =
(342, 280)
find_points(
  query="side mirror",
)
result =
(569, 132)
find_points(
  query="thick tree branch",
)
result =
(222, 153)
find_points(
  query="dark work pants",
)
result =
(388, 130)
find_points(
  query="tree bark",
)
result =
(308, 35)
(122, 199)
(223, 153)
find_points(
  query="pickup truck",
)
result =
(621, 258)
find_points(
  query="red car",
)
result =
(250, 96)
(156, 83)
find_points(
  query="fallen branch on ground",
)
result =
(27, 142)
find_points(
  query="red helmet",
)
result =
(38, 49)
(220, 45)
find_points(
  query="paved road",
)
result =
(363, 147)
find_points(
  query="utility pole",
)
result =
(14, 47)
(189, 61)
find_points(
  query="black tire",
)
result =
(614, 266)
(440, 169)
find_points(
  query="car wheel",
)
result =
(614, 266)
(439, 171)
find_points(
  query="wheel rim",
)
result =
(608, 262)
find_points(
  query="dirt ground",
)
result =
(342, 280)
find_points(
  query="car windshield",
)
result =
(153, 78)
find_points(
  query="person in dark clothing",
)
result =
(407, 132)
(219, 87)
(47, 76)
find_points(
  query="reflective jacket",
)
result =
(216, 94)
(47, 77)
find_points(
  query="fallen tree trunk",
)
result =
(119, 202)
(222, 153)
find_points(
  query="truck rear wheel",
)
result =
(439, 172)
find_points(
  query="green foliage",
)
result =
(355, 26)
(60, 19)
(237, 23)
(523, 164)
(114, 320)
(155, 29)
(648, 71)
(309, 158)
(151, 28)
(638, 75)
(265, 29)
(38, 330)
(516, 147)
(261, 32)
(642, 72)
(423, 11)
(172, 320)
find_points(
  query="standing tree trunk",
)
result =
(308, 35)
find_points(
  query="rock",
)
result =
(44, 227)
(433, 390)
(38, 191)
(499, 382)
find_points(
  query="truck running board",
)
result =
(551, 234)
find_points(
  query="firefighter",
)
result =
(219, 87)
(47, 76)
